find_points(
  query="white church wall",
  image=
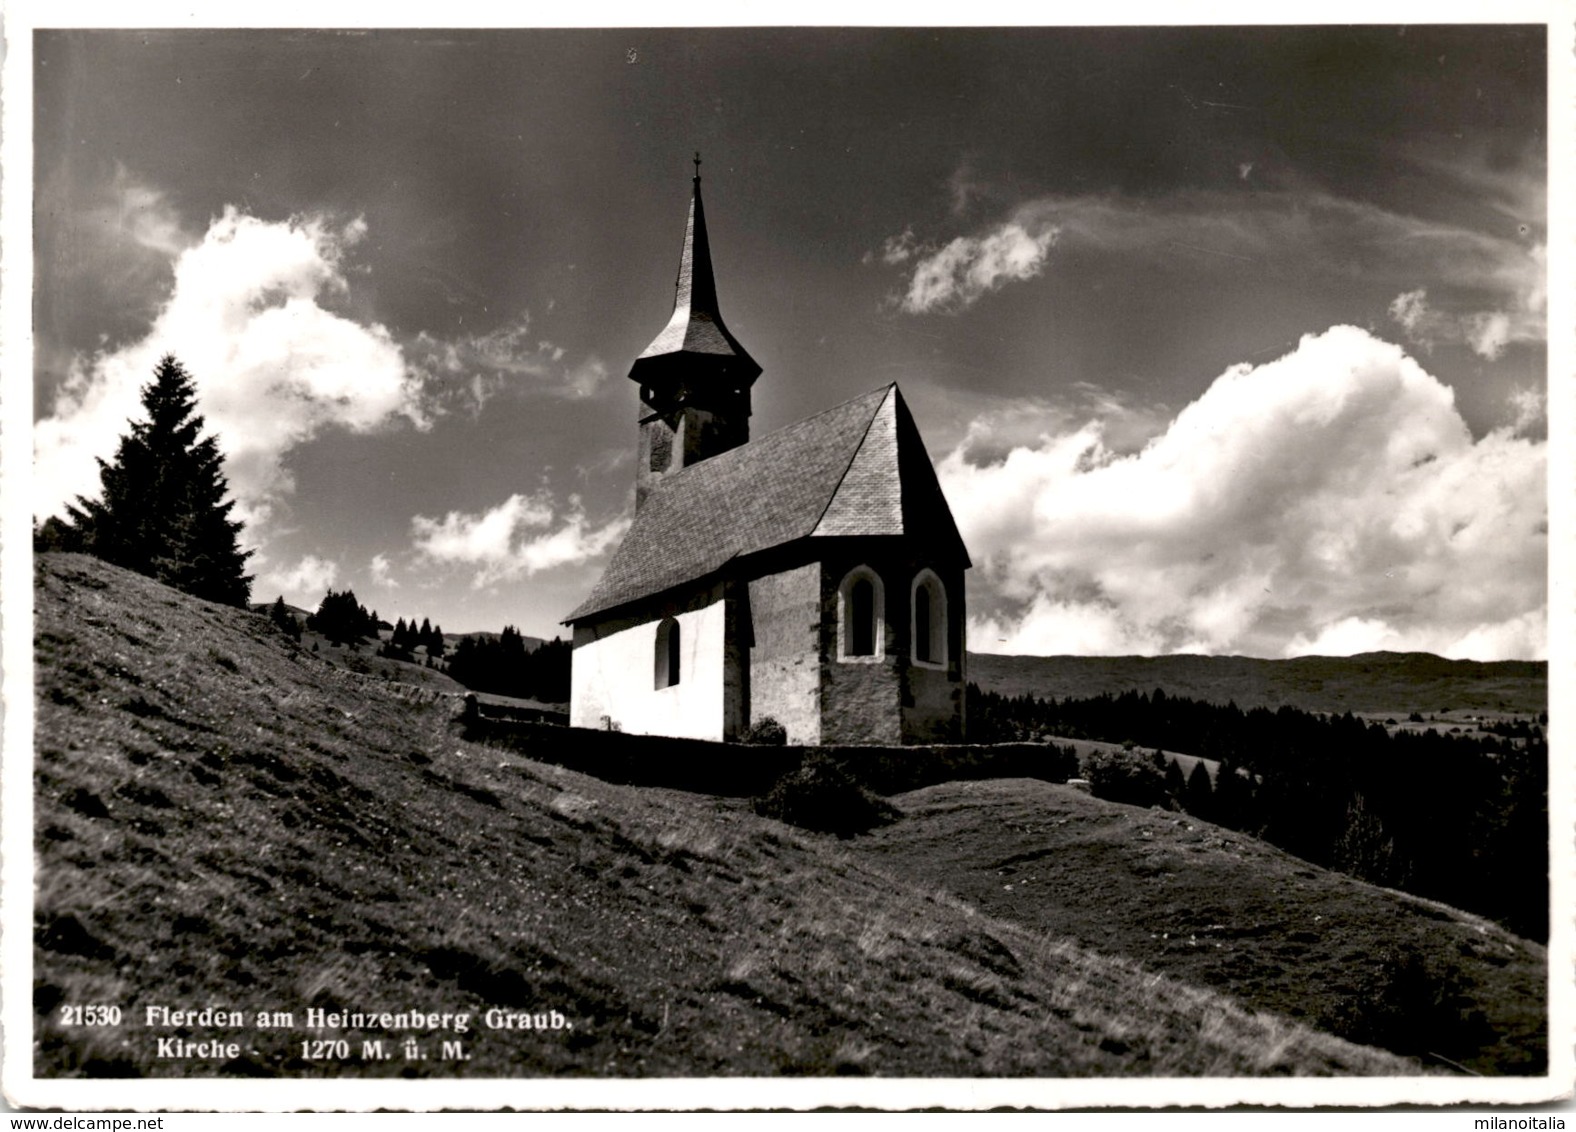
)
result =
(613, 677)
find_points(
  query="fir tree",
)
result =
(163, 510)
(1200, 797)
(284, 619)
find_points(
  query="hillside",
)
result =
(1370, 683)
(224, 819)
(1215, 908)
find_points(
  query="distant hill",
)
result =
(1374, 683)
(222, 818)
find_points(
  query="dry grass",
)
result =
(264, 834)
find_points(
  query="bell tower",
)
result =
(695, 377)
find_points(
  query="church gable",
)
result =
(869, 500)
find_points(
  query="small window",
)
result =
(860, 619)
(661, 448)
(930, 620)
(667, 653)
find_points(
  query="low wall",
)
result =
(741, 770)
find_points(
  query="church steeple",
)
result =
(695, 377)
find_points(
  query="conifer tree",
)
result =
(284, 619)
(1200, 797)
(163, 510)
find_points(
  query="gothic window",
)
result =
(667, 653)
(929, 627)
(860, 615)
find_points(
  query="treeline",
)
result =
(1458, 818)
(407, 638)
(504, 666)
(343, 619)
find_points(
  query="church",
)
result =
(813, 575)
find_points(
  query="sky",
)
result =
(1222, 340)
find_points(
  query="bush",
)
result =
(1406, 1004)
(767, 732)
(1125, 776)
(1061, 763)
(820, 795)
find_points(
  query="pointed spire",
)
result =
(696, 328)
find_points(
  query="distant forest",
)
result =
(503, 666)
(1458, 818)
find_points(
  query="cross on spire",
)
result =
(697, 164)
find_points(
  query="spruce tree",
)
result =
(163, 510)
(1200, 797)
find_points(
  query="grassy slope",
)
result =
(1394, 683)
(1203, 904)
(224, 819)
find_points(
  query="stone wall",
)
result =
(738, 770)
(889, 699)
(784, 669)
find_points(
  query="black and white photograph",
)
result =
(725, 566)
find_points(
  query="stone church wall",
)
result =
(933, 698)
(785, 670)
(612, 676)
(860, 696)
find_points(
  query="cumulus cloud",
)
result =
(303, 584)
(520, 537)
(969, 267)
(1330, 501)
(249, 314)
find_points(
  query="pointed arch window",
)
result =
(667, 653)
(860, 616)
(928, 630)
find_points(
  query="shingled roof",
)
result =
(857, 469)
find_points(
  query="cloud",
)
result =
(1488, 333)
(969, 267)
(897, 249)
(520, 537)
(468, 371)
(303, 584)
(140, 214)
(1530, 407)
(1519, 280)
(1496, 292)
(250, 315)
(1332, 500)
(1410, 309)
(381, 570)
